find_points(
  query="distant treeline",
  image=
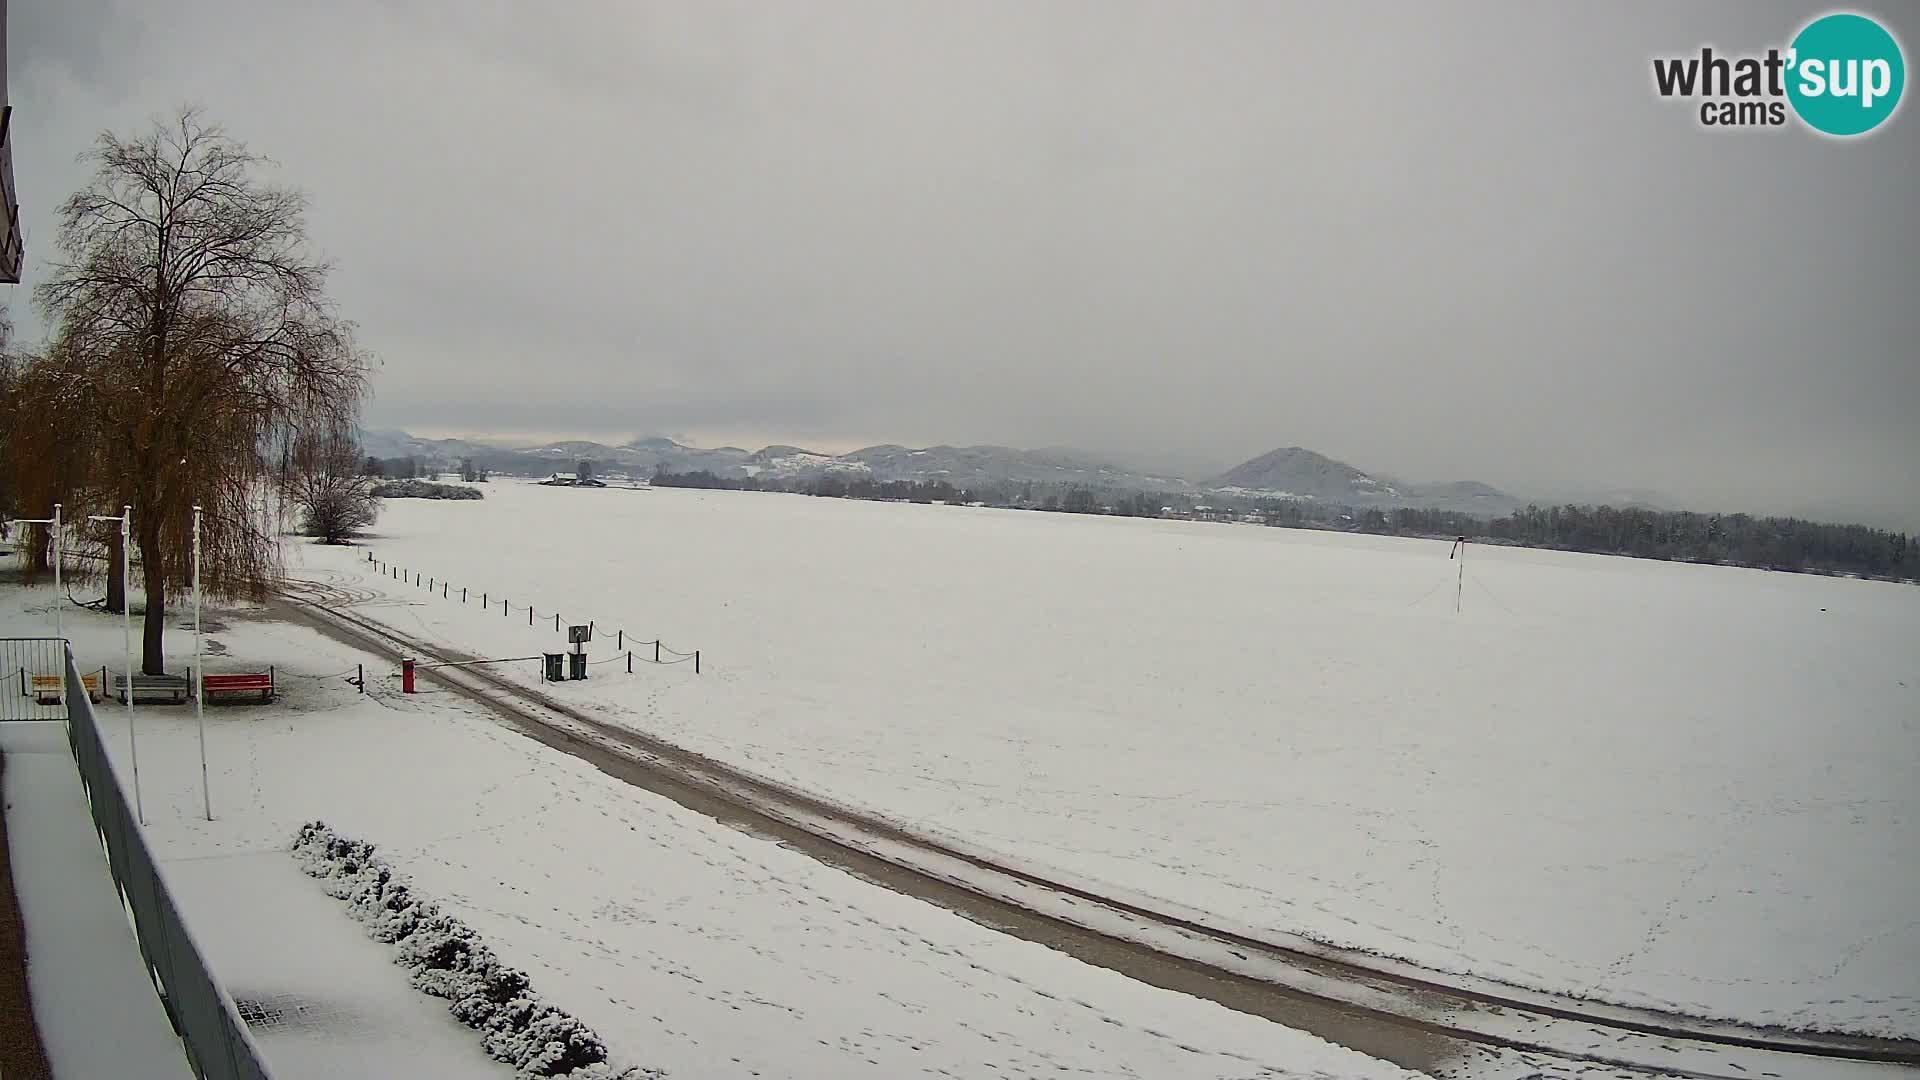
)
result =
(835, 487)
(393, 468)
(1772, 543)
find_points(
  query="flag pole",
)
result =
(126, 633)
(58, 593)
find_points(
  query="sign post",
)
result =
(578, 636)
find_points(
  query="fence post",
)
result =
(656, 650)
(406, 675)
(529, 614)
(361, 676)
(619, 639)
(629, 661)
(696, 661)
(443, 590)
(463, 594)
(556, 621)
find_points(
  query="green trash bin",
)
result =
(556, 666)
(576, 665)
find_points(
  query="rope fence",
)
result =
(663, 656)
(355, 670)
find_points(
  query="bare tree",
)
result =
(48, 454)
(198, 327)
(336, 501)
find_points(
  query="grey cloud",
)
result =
(1437, 241)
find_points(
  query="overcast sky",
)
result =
(1436, 242)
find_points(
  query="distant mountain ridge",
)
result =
(1288, 473)
(1298, 473)
(1301, 473)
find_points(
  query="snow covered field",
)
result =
(1679, 786)
(687, 944)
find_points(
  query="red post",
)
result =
(406, 675)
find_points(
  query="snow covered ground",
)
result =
(687, 944)
(1678, 786)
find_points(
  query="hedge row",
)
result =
(447, 959)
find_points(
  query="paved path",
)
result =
(84, 967)
(21, 1054)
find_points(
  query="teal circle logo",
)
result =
(1845, 74)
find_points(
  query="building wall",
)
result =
(12, 244)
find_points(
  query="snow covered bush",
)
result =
(447, 959)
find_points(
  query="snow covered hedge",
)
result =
(448, 960)
(424, 489)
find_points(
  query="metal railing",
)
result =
(32, 677)
(218, 1045)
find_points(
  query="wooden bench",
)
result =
(169, 689)
(46, 688)
(251, 682)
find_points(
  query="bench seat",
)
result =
(172, 689)
(46, 688)
(250, 682)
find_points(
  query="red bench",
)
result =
(258, 682)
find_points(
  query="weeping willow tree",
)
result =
(48, 454)
(196, 343)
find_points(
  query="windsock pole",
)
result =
(1459, 579)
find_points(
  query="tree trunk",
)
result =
(39, 541)
(116, 576)
(153, 659)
